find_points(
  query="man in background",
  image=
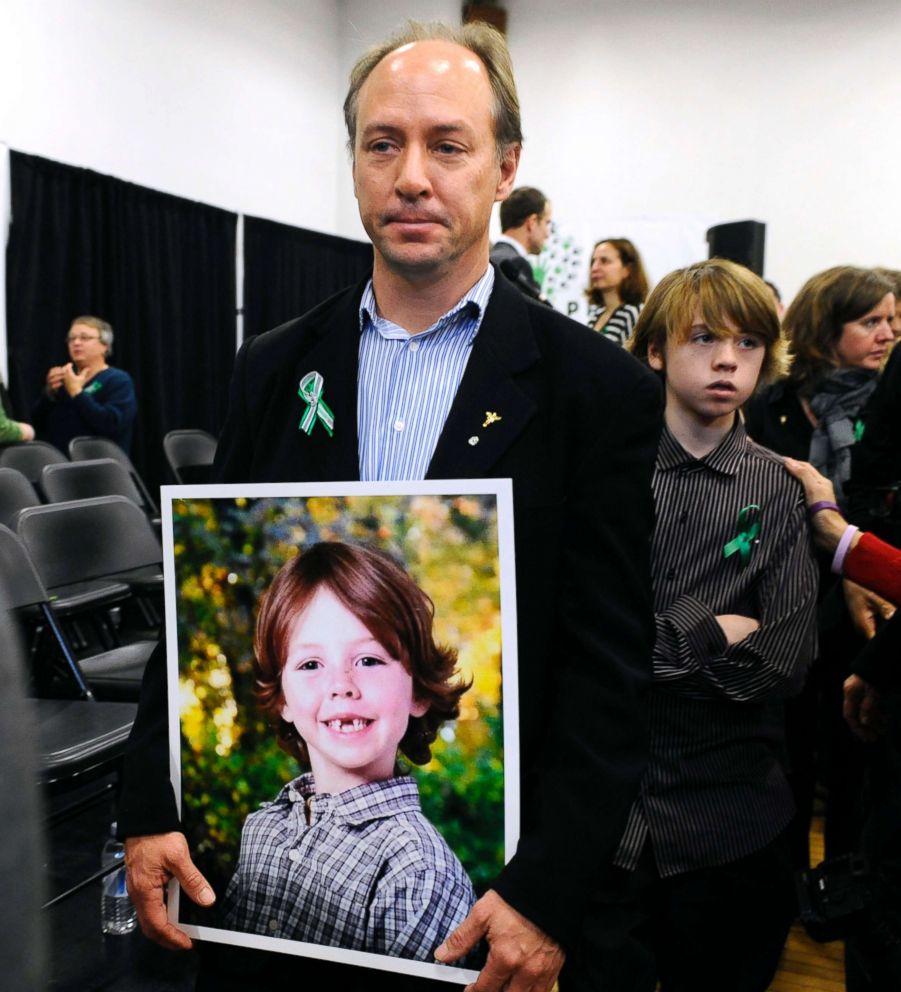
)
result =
(526, 224)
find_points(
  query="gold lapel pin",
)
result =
(491, 418)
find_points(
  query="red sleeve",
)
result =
(876, 565)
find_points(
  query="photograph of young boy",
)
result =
(343, 714)
(348, 672)
(701, 893)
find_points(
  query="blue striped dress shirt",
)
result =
(408, 382)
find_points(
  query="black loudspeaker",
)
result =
(741, 241)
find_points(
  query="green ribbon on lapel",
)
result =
(310, 390)
(92, 387)
(745, 537)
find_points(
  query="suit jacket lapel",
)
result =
(470, 445)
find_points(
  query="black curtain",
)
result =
(159, 268)
(288, 270)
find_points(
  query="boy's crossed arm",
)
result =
(704, 655)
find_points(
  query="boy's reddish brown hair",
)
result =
(398, 614)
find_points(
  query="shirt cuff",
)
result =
(698, 627)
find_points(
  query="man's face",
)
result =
(540, 230)
(425, 164)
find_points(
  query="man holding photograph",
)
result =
(439, 368)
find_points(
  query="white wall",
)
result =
(654, 118)
(225, 101)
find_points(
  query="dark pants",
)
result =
(704, 931)
(820, 745)
(873, 956)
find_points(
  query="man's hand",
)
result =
(866, 608)
(861, 708)
(521, 958)
(736, 627)
(150, 862)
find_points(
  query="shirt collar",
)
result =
(359, 805)
(467, 313)
(503, 238)
(726, 457)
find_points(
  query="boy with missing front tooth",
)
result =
(348, 670)
(702, 888)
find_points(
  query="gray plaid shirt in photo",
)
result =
(368, 871)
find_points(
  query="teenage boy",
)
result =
(702, 887)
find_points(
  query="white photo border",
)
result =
(502, 491)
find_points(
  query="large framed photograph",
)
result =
(343, 712)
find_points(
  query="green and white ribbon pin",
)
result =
(745, 537)
(310, 391)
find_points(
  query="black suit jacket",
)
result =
(578, 428)
(516, 268)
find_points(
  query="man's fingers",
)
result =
(195, 886)
(493, 976)
(155, 924)
(459, 943)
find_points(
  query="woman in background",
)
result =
(617, 289)
(86, 396)
(839, 332)
(839, 329)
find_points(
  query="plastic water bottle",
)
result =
(117, 915)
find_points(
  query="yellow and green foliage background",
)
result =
(226, 553)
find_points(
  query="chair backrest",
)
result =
(16, 492)
(189, 454)
(86, 448)
(20, 583)
(88, 539)
(82, 480)
(30, 458)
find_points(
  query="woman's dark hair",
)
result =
(815, 320)
(634, 288)
(398, 614)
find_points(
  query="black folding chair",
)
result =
(84, 479)
(79, 545)
(61, 744)
(190, 454)
(16, 493)
(30, 458)
(114, 674)
(86, 448)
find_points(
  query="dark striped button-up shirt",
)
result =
(714, 790)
